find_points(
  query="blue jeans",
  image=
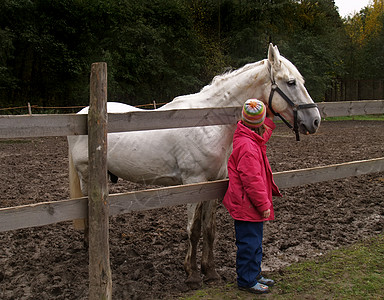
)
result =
(249, 237)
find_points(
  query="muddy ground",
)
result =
(147, 248)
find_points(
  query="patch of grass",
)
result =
(356, 272)
(357, 118)
(217, 293)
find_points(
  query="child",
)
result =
(249, 195)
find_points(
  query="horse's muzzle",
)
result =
(309, 127)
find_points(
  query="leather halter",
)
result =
(295, 107)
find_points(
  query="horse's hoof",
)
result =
(211, 277)
(194, 281)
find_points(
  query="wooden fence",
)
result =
(45, 213)
(72, 124)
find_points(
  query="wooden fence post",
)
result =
(29, 109)
(100, 278)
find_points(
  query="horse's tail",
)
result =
(75, 189)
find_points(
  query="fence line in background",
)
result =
(153, 105)
(355, 89)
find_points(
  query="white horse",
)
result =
(198, 154)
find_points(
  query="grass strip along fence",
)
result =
(354, 272)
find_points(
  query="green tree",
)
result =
(365, 51)
(315, 44)
(50, 49)
(151, 48)
(158, 49)
(154, 52)
(7, 79)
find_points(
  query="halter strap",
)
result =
(295, 107)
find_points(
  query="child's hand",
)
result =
(266, 213)
(270, 114)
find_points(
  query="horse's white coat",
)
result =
(190, 155)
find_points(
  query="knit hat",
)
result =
(253, 113)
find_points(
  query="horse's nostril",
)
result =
(316, 123)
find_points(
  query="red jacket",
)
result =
(251, 184)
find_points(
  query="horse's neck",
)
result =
(227, 90)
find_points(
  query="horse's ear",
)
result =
(274, 56)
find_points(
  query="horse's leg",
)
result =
(113, 177)
(193, 229)
(75, 191)
(74, 188)
(209, 231)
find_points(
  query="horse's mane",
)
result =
(217, 80)
(229, 74)
(290, 68)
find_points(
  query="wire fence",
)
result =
(29, 109)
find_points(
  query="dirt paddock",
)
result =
(147, 248)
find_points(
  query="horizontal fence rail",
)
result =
(26, 126)
(46, 213)
(351, 108)
(73, 124)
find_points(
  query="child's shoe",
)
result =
(258, 288)
(266, 281)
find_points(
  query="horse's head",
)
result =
(288, 97)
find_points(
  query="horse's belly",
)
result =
(141, 158)
(162, 157)
(136, 172)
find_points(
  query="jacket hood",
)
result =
(244, 131)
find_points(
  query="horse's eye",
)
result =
(291, 82)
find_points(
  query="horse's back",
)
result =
(114, 108)
(79, 143)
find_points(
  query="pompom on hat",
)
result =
(253, 114)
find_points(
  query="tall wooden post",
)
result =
(100, 278)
